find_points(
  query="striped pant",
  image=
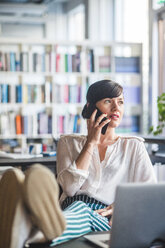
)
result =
(81, 219)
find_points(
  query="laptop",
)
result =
(138, 218)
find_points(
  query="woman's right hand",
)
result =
(94, 128)
(93, 138)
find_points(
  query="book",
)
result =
(35, 124)
(66, 62)
(47, 92)
(25, 124)
(43, 123)
(5, 93)
(90, 61)
(28, 124)
(53, 61)
(12, 62)
(47, 62)
(29, 98)
(57, 62)
(18, 122)
(127, 64)
(132, 94)
(61, 124)
(104, 63)
(6, 62)
(7, 58)
(72, 93)
(12, 126)
(24, 61)
(25, 94)
(77, 122)
(4, 124)
(1, 61)
(34, 62)
(42, 93)
(66, 93)
(78, 61)
(69, 63)
(17, 61)
(18, 93)
(49, 124)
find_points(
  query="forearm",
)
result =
(84, 158)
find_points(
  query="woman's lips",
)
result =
(114, 117)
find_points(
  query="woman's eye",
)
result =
(121, 102)
(107, 101)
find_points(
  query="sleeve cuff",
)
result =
(73, 169)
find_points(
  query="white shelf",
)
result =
(83, 43)
(61, 110)
(23, 136)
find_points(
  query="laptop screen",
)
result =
(139, 215)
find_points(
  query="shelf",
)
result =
(43, 91)
(77, 74)
(88, 43)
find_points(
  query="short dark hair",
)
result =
(98, 91)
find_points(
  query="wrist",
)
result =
(89, 145)
(89, 148)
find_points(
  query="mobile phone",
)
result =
(103, 130)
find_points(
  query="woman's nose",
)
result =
(114, 106)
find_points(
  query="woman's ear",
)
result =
(87, 104)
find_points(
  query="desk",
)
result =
(154, 139)
(49, 162)
(159, 156)
(74, 243)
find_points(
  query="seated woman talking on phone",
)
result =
(89, 168)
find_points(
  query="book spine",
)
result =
(1, 61)
(35, 123)
(127, 64)
(12, 117)
(18, 93)
(4, 93)
(43, 123)
(47, 92)
(4, 124)
(57, 62)
(18, 124)
(12, 61)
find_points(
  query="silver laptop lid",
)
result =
(139, 215)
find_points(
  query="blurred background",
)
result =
(52, 50)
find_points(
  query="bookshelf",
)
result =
(43, 86)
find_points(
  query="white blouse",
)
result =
(125, 161)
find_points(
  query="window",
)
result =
(76, 23)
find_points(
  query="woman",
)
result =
(89, 168)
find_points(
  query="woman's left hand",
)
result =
(107, 212)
